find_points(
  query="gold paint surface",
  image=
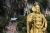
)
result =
(37, 20)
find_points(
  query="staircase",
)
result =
(11, 28)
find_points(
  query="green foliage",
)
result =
(4, 31)
(48, 21)
(48, 18)
(21, 22)
(48, 26)
(3, 22)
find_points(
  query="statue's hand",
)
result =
(44, 29)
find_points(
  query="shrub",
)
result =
(48, 18)
(48, 21)
(21, 22)
(3, 22)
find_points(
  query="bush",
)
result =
(48, 21)
(3, 22)
(21, 22)
(48, 18)
(4, 31)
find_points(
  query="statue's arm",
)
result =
(28, 28)
(45, 23)
(29, 19)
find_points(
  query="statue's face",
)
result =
(37, 8)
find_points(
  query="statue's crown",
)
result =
(36, 3)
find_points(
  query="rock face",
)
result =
(11, 28)
(47, 12)
(49, 4)
(27, 8)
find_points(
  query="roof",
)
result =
(13, 18)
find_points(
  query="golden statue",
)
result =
(37, 20)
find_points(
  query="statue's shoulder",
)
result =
(42, 15)
(31, 14)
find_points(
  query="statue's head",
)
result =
(36, 3)
(37, 7)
